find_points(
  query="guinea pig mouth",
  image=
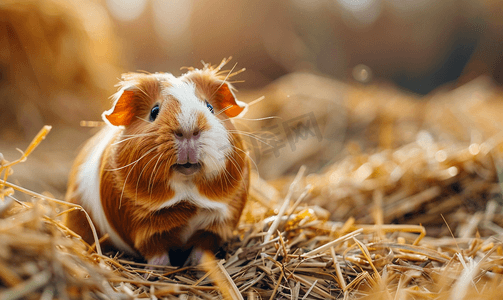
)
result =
(188, 168)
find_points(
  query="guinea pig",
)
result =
(168, 172)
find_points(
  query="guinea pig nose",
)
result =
(193, 134)
(179, 133)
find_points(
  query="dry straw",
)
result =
(286, 247)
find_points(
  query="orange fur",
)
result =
(135, 168)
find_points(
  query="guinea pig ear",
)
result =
(228, 102)
(122, 111)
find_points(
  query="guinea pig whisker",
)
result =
(129, 173)
(225, 177)
(133, 137)
(234, 159)
(141, 173)
(233, 162)
(224, 81)
(134, 162)
(213, 160)
(167, 166)
(257, 119)
(144, 93)
(259, 99)
(155, 172)
(249, 156)
(150, 186)
(254, 163)
(251, 135)
(138, 134)
(142, 119)
(222, 110)
(240, 171)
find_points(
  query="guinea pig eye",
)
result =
(154, 112)
(209, 106)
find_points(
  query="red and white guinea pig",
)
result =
(168, 172)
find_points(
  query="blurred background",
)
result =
(339, 76)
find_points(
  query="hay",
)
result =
(54, 55)
(415, 184)
(286, 247)
(38, 257)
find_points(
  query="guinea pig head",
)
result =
(171, 130)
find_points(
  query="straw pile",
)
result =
(295, 240)
(37, 257)
(54, 57)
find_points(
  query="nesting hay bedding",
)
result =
(289, 245)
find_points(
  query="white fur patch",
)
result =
(88, 178)
(202, 220)
(214, 143)
(209, 211)
(186, 190)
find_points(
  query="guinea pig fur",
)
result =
(168, 172)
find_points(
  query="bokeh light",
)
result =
(172, 19)
(362, 73)
(364, 12)
(126, 10)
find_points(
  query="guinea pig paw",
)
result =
(194, 258)
(158, 260)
